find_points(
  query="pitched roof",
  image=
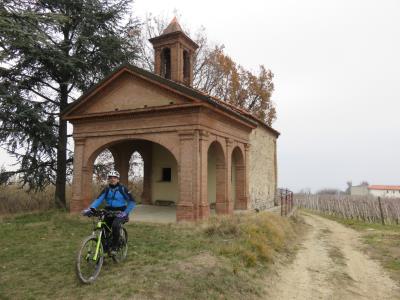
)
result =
(188, 91)
(384, 187)
(173, 30)
(172, 27)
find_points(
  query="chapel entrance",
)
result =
(147, 168)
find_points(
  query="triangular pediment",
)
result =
(127, 91)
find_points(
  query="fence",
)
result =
(286, 201)
(365, 208)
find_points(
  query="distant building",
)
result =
(359, 190)
(389, 191)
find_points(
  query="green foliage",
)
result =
(51, 51)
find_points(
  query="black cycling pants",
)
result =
(115, 225)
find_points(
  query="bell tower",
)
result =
(173, 54)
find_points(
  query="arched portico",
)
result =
(201, 164)
(153, 154)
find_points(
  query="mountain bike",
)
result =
(97, 246)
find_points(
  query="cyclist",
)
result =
(117, 198)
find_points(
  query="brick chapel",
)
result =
(199, 152)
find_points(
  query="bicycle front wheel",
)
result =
(87, 265)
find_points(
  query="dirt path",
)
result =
(330, 265)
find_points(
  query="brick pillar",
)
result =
(228, 176)
(77, 204)
(147, 156)
(186, 209)
(245, 195)
(124, 169)
(241, 200)
(119, 163)
(157, 61)
(82, 178)
(87, 182)
(122, 153)
(191, 53)
(204, 206)
(221, 206)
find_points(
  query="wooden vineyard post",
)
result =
(380, 209)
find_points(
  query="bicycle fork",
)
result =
(96, 254)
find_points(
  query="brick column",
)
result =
(245, 195)
(122, 155)
(82, 178)
(228, 176)
(188, 160)
(204, 206)
(241, 200)
(157, 61)
(221, 205)
(147, 156)
(76, 203)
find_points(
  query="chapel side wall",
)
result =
(262, 169)
(164, 190)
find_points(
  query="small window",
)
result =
(166, 174)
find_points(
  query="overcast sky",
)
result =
(337, 71)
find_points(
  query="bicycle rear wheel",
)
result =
(122, 247)
(88, 268)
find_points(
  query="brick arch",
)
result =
(220, 150)
(86, 151)
(237, 145)
(220, 184)
(220, 141)
(238, 178)
(96, 146)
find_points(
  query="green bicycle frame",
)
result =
(99, 226)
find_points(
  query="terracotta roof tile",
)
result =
(384, 187)
(172, 27)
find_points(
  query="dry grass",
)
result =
(14, 199)
(251, 239)
(225, 258)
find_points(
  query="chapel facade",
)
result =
(199, 152)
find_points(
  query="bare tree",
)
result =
(215, 73)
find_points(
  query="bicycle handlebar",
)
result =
(103, 212)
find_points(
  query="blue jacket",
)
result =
(116, 196)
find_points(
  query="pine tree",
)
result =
(51, 51)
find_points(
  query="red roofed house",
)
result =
(199, 152)
(390, 191)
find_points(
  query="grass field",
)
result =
(225, 258)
